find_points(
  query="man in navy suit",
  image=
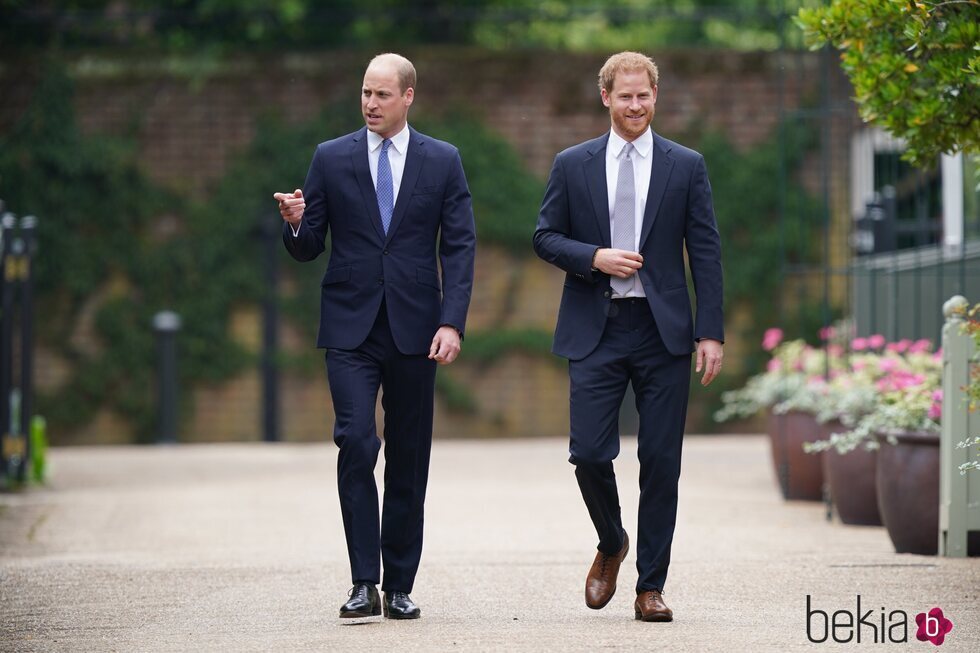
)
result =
(387, 194)
(617, 215)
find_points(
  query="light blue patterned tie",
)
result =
(386, 188)
(624, 216)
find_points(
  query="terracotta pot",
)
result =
(851, 481)
(799, 474)
(908, 491)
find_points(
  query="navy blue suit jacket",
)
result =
(433, 209)
(574, 222)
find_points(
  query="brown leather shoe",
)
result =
(650, 606)
(600, 584)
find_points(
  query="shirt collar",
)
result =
(642, 145)
(399, 141)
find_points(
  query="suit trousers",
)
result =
(407, 384)
(631, 351)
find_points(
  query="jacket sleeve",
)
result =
(457, 247)
(552, 239)
(308, 243)
(703, 245)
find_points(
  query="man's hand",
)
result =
(291, 206)
(445, 345)
(618, 262)
(709, 356)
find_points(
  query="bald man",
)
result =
(398, 207)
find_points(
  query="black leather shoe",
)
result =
(364, 602)
(399, 605)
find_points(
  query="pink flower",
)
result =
(877, 341)
(859, 344)
(857, 366)
(835, 351)
(772, 338)
(936, 409)
(920, 346)
(887, 365)
(900, 346)
(828, 332)
(774, 365)
(938, 356)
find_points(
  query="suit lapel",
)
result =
(410, 175)
(660, 167)
(595, 177)
(359, 158)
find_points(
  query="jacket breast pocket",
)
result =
(335, 275)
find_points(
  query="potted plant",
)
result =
(850, 460)
(904, 423)
(793, 362)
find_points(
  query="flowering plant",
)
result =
(889, 388)
(876, 386)
(783, 378)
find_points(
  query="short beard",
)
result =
(629, 128)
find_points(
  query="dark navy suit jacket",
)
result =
(574, 222)
(433, 209)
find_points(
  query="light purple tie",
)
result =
(624, 216)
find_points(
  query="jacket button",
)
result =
(606, 294)
(381, 282)
(385, 252)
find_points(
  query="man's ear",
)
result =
(605, 97)
(409, 96)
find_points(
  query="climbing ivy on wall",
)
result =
(103, 230)
(107, 231)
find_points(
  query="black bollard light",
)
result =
(8, 273)
(166, 324)
(28, 231)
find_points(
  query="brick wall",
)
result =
(190, 124)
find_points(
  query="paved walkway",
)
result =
(240, 548)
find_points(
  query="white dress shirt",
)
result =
(642, 166)
(397, 152)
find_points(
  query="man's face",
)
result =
(631, 103)
(384, 106)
